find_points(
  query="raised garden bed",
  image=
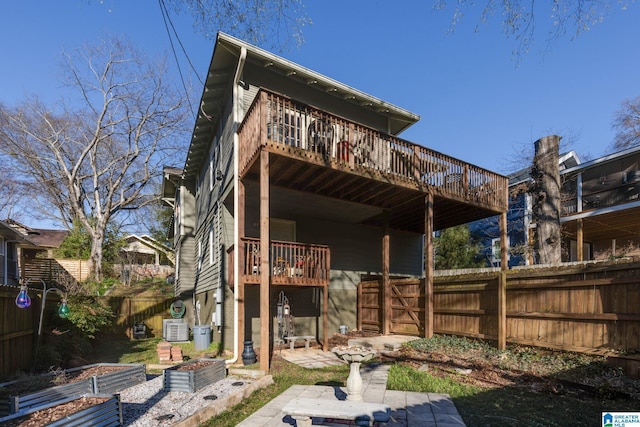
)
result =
(103, 378)
(88, 411)
(193, 375)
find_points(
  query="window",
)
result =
(199, 255)
(1, 246)
(496, 254)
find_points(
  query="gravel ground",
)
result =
(147, 404)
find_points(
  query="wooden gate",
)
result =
(407, 306)
(369, 313)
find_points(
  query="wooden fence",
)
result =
(129, 311)
(586, 307)
(19, 327)
(593, 307)
(62, 271)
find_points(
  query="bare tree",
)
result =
(626, 123)
(522, 19)
(102, 153)
(261, 22)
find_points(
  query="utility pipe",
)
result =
(236, 200)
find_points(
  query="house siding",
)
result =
(185, 243)
(355, 251)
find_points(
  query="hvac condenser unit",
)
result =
(175, 330)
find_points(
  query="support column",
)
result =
(239, 275)
(265, 323)
(579, 240)
(428, 266)
(502, 284)
(325, 318)
(386, 285)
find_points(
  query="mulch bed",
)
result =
(49, 415)
(193, 366)
(40, 382)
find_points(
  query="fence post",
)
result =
(502, 284)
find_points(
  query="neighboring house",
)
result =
(601, 207)
(297, 185)
(28, 244)
(487, 231)
(145, 249)
(10, 240)
(144, 257)
(600, 215)
(44, 241)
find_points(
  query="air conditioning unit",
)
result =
(175, 330)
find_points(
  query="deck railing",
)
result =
(290, 263)
(277, 120)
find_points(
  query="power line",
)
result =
(184, 86)
(186, 55)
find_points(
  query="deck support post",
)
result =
(502, 284)
(579, 240)
(386, 285)
(265, 326)
(428, 265)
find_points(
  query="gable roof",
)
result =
(8, 232)
(147, 244)
(566, 161)
(41, 237)
(224, 62)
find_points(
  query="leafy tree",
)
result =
(626, 123)
(102, 156)
(77, 244)
(455, 249)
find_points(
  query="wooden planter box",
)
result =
(109, 383)
(193, 375)
(107, 413)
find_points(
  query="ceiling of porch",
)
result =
(622, 225)
(307, 189)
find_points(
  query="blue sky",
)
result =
(475, 101)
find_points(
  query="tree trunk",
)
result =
(546, 200)
(96, 256)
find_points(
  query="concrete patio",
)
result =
(408, 409)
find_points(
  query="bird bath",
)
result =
(354, 355)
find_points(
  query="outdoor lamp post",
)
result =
(24, 301)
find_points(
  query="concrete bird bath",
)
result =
(354, 355)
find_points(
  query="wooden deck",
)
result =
(290, 263)
(332, 156)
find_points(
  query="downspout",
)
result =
(236, 202)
